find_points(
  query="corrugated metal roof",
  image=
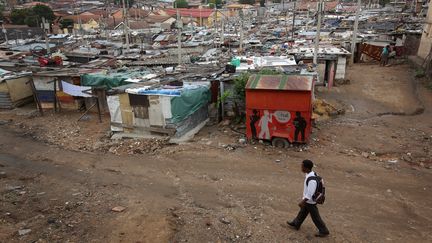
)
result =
(186, 12)
(280, 82)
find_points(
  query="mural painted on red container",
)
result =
(266, 124)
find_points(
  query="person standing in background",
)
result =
(385, 55)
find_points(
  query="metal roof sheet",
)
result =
(280, 82)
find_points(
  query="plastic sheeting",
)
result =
(103, 80)
(115, 113)
(235, 62)
(163, 92)
(147, 91)
(75, 90)
(188, 102)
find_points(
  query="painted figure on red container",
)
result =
(300, 125)
(254, 118)
(264, 125)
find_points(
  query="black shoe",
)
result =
(293, 225)
(321, 234)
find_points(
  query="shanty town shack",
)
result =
(279, 108)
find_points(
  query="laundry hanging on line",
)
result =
(75, 90)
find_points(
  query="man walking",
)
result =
(307, 204)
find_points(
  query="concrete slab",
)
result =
(145, 134)
(189, 135)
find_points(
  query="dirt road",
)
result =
(376, 166)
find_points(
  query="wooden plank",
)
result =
(47, 105)
(126, 110)
(167, 131)
(4, 87)
(155, 111)
(18, 89)
(341, 67)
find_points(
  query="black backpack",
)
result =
(319, 195)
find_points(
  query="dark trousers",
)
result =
(296, 133)
(316, 218)
(253, 130)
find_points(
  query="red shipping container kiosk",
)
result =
(279, 108)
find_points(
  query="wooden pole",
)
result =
(354, 37)
(317, 37)
(55, 95)
(36, 98)
(293, 20)
(99, 110)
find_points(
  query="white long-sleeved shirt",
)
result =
(309, 190)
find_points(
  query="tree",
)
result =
(128, 3)
(2, 8)
(32, 16)
(251, 2)
(66, 23)
(262, 3)
(180, 4)
(32, 20)
(24, 16)
(240, 86)
(218, 3)
(42, 11)
(384, 2)
(18, 16)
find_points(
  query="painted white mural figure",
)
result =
(264, 125)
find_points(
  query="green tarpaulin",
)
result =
(235, 62)
(189, 102)
(109, 82)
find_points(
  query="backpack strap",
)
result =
(312, 178)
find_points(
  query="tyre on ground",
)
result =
(280, 142)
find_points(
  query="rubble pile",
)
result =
(92, 137)
(62, 132)
(323, 110)
(132, 146)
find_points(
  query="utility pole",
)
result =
(46, 35)
(222, 30)
(286, 22)
(73, 25)
(179, 32)
(125, 26)
(201, 19)
(307, 18)
(317, 37)
(241, 30)
(5, 33)
(354, 37)
(241, 36)
(106, 19)
(79, 18)
(293, 22)
(215, 20)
